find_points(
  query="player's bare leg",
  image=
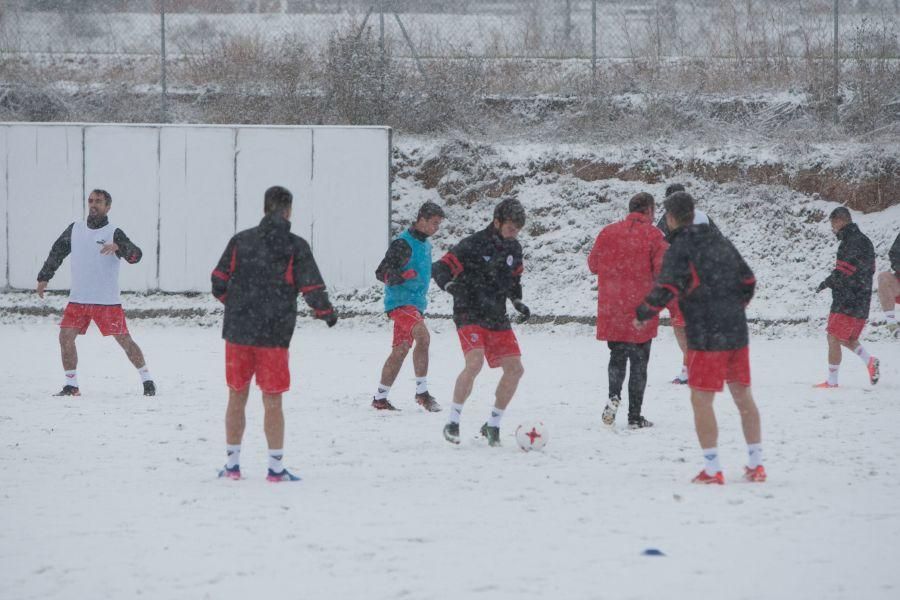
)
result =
(872, 364)
(389, 373)
(274, 420)
(888, 292)
(750, 423)
(506, 388)
(134, 354)
(67, 348)
(708, 436)
(681, 339)
(235, 416)
(461, 391)
(422, 344)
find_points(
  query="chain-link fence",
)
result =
(559, 44)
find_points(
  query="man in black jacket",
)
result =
(96, 246)
(482, 272)
(889, 287)
(851, 295)
(713, 285)
(257, 279)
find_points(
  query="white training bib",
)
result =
(95, 277)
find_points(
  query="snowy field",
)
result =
(114, 495)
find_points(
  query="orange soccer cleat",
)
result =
(703, 477)
(826, 386)
(756, 475)
(872, 368)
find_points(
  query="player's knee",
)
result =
(515, 369)
(422, 337)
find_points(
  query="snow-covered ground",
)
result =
(114, 495)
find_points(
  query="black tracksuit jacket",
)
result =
(258, 278)
(851, 279)
(62, 247)
(894, 255)
(485, 270)
(713, 284)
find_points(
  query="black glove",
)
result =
(331, 319)
(524, 311)
(821, 287)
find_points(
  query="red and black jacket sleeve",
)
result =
(855, 261)
(308, 280)
(452, 264)
(390, 270)
(747, 280)
(894, 255)
(675, 278)
(224, 270)
(128, 250)
(61, 248)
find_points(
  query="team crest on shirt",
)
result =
(486, 258)
(509, 260)
(473, 337)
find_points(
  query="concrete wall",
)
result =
(179, 192)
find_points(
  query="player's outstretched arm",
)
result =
(61, 248)
(127, 249)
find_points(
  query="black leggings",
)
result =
(619, 355)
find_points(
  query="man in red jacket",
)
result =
(626, 258)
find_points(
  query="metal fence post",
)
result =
(164, 117)
(594, 41)
(658, 36)
(837, 69)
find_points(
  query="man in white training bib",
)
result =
(96, 246)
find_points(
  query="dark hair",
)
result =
(277, 199)
(510, 210)
(640, 202)
(428, 210)
(672, 188)
(681, 206)
(105, 195)
(841, 213)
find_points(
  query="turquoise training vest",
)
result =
(413, 292)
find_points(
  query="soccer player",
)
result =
(258, 278)
(481, 272)
(96, 246)
(889, 287)
(851, 295)
(713, 285)
(700, 218)
(406, 273)
(626, 258)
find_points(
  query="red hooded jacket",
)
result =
(627, 256)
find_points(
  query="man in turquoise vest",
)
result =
(406, 274)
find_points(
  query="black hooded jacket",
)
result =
(894, 255)
(713, 284)
(258, 278)
(851, 279)
(485, 270)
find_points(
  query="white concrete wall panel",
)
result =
(273, 156)
(125, 162)
(3, 204)
(45, 194)
(351, 204)
(196, 204)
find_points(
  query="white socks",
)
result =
(496, 415)
(754, 452)
(72, 378)
(861, 352)
(275, 457)
(234, 455)
(382, 392)
(711, 461)
(455, 412)
(421, 385)
(684, 373)
(833, 374)
(144, 372)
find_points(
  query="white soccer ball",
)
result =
(532, 435)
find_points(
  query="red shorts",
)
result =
(404, 318)
(844, 327)
(675, 313)
(269, 364)
(497, 345)
(110, 319)
(707, 371)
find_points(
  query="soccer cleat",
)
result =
(893, 328)
(285, 475)
(451, 433)
(427, 401)
(826, 386)
(383, 404)
(492, 434)
(639, 423)
(756, 475)
(872, 368)
(703, 478)
(609, 413)
(230, 472)
(679, 381)
(149, 388)
(68, 390)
